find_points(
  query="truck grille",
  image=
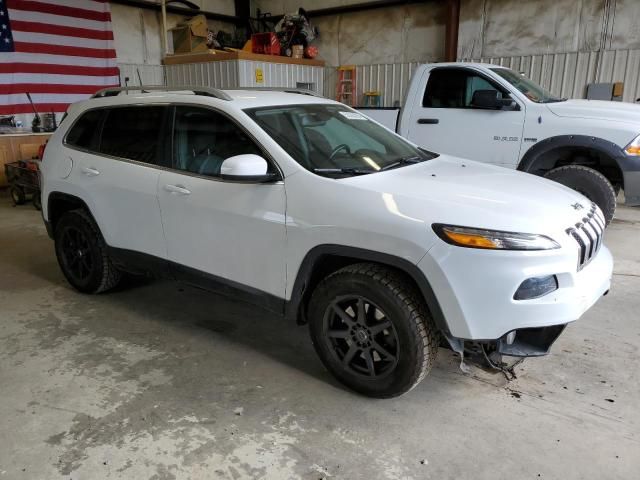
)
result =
(588, 234)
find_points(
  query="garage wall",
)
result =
(410, 33)
(500, 28)
(137, 32)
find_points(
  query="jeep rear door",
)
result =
(445, 121)
(221, 235)
(115, 152)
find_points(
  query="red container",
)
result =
(265, 43)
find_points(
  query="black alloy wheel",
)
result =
(361, 336)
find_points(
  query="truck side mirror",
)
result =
(491, 99)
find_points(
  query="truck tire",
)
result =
(82, 253)
(372, 330)
(590, 183)
(17, 195)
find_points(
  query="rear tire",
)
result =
(82, 254)
(372, 330)
(590, 183)
(17, 195)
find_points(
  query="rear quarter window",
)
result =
(85, 131)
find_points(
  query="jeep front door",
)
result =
(222, 235)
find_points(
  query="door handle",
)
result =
(428, 121)
(179, 189)
(90, 172)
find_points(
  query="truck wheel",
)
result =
(82, 254)
(590, 183)
(17, 195)
(372, 330)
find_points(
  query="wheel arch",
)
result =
(58, 203)
(323, 260)
(597, 153)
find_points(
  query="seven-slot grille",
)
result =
(588, 234)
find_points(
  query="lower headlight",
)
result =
(536, 287)
(492, 239)
(634, 147)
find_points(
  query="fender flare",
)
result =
(533, 154)
(54, 196)
(300, 292)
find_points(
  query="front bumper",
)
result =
(475, 288)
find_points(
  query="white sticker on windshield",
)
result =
(353, 116)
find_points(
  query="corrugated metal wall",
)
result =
(150, 74)
(242, 73)
(209, 74)
(391, 80)
(568, 74)
(564, 74)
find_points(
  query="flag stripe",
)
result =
(17, 98)
(58, 69)
(22, 26)
(26, 108)
(17, 88)
(58, 20)
(38, 58)
(46, 78)
(64, 50)
(60, 40)
(57, 9)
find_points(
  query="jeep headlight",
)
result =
(634, 147)
(492, 239)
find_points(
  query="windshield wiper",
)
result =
(401, 162)
(346, 170)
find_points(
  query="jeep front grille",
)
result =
(588, 235)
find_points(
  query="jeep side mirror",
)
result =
(246, 168)
(491, 99)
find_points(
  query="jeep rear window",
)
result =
(84, 133)
(334, 139)
(132, 132)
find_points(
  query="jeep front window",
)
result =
(335, 140)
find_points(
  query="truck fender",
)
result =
(536, 161)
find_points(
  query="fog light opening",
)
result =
(536, 287)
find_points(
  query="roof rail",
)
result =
(301, 91)
(205, 91)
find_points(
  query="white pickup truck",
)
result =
(492, 114)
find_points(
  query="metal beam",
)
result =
(356, 7)
(188, 12)
(451, 30)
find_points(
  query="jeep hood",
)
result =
(597, 109)
(463, 192)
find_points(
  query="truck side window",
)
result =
(453, 88)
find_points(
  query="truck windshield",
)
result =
(532, 90)
(334, 140)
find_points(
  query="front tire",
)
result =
(372, 330)
(590, 183)
(82, 254)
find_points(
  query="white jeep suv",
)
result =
(305, 207)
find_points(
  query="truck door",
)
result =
(446, 120)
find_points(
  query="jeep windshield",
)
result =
(333, 140)
(530, 89)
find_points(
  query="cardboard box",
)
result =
(190, 36)
(297, 51)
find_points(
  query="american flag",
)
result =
(60, 51)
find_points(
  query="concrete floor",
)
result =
(159, 381)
